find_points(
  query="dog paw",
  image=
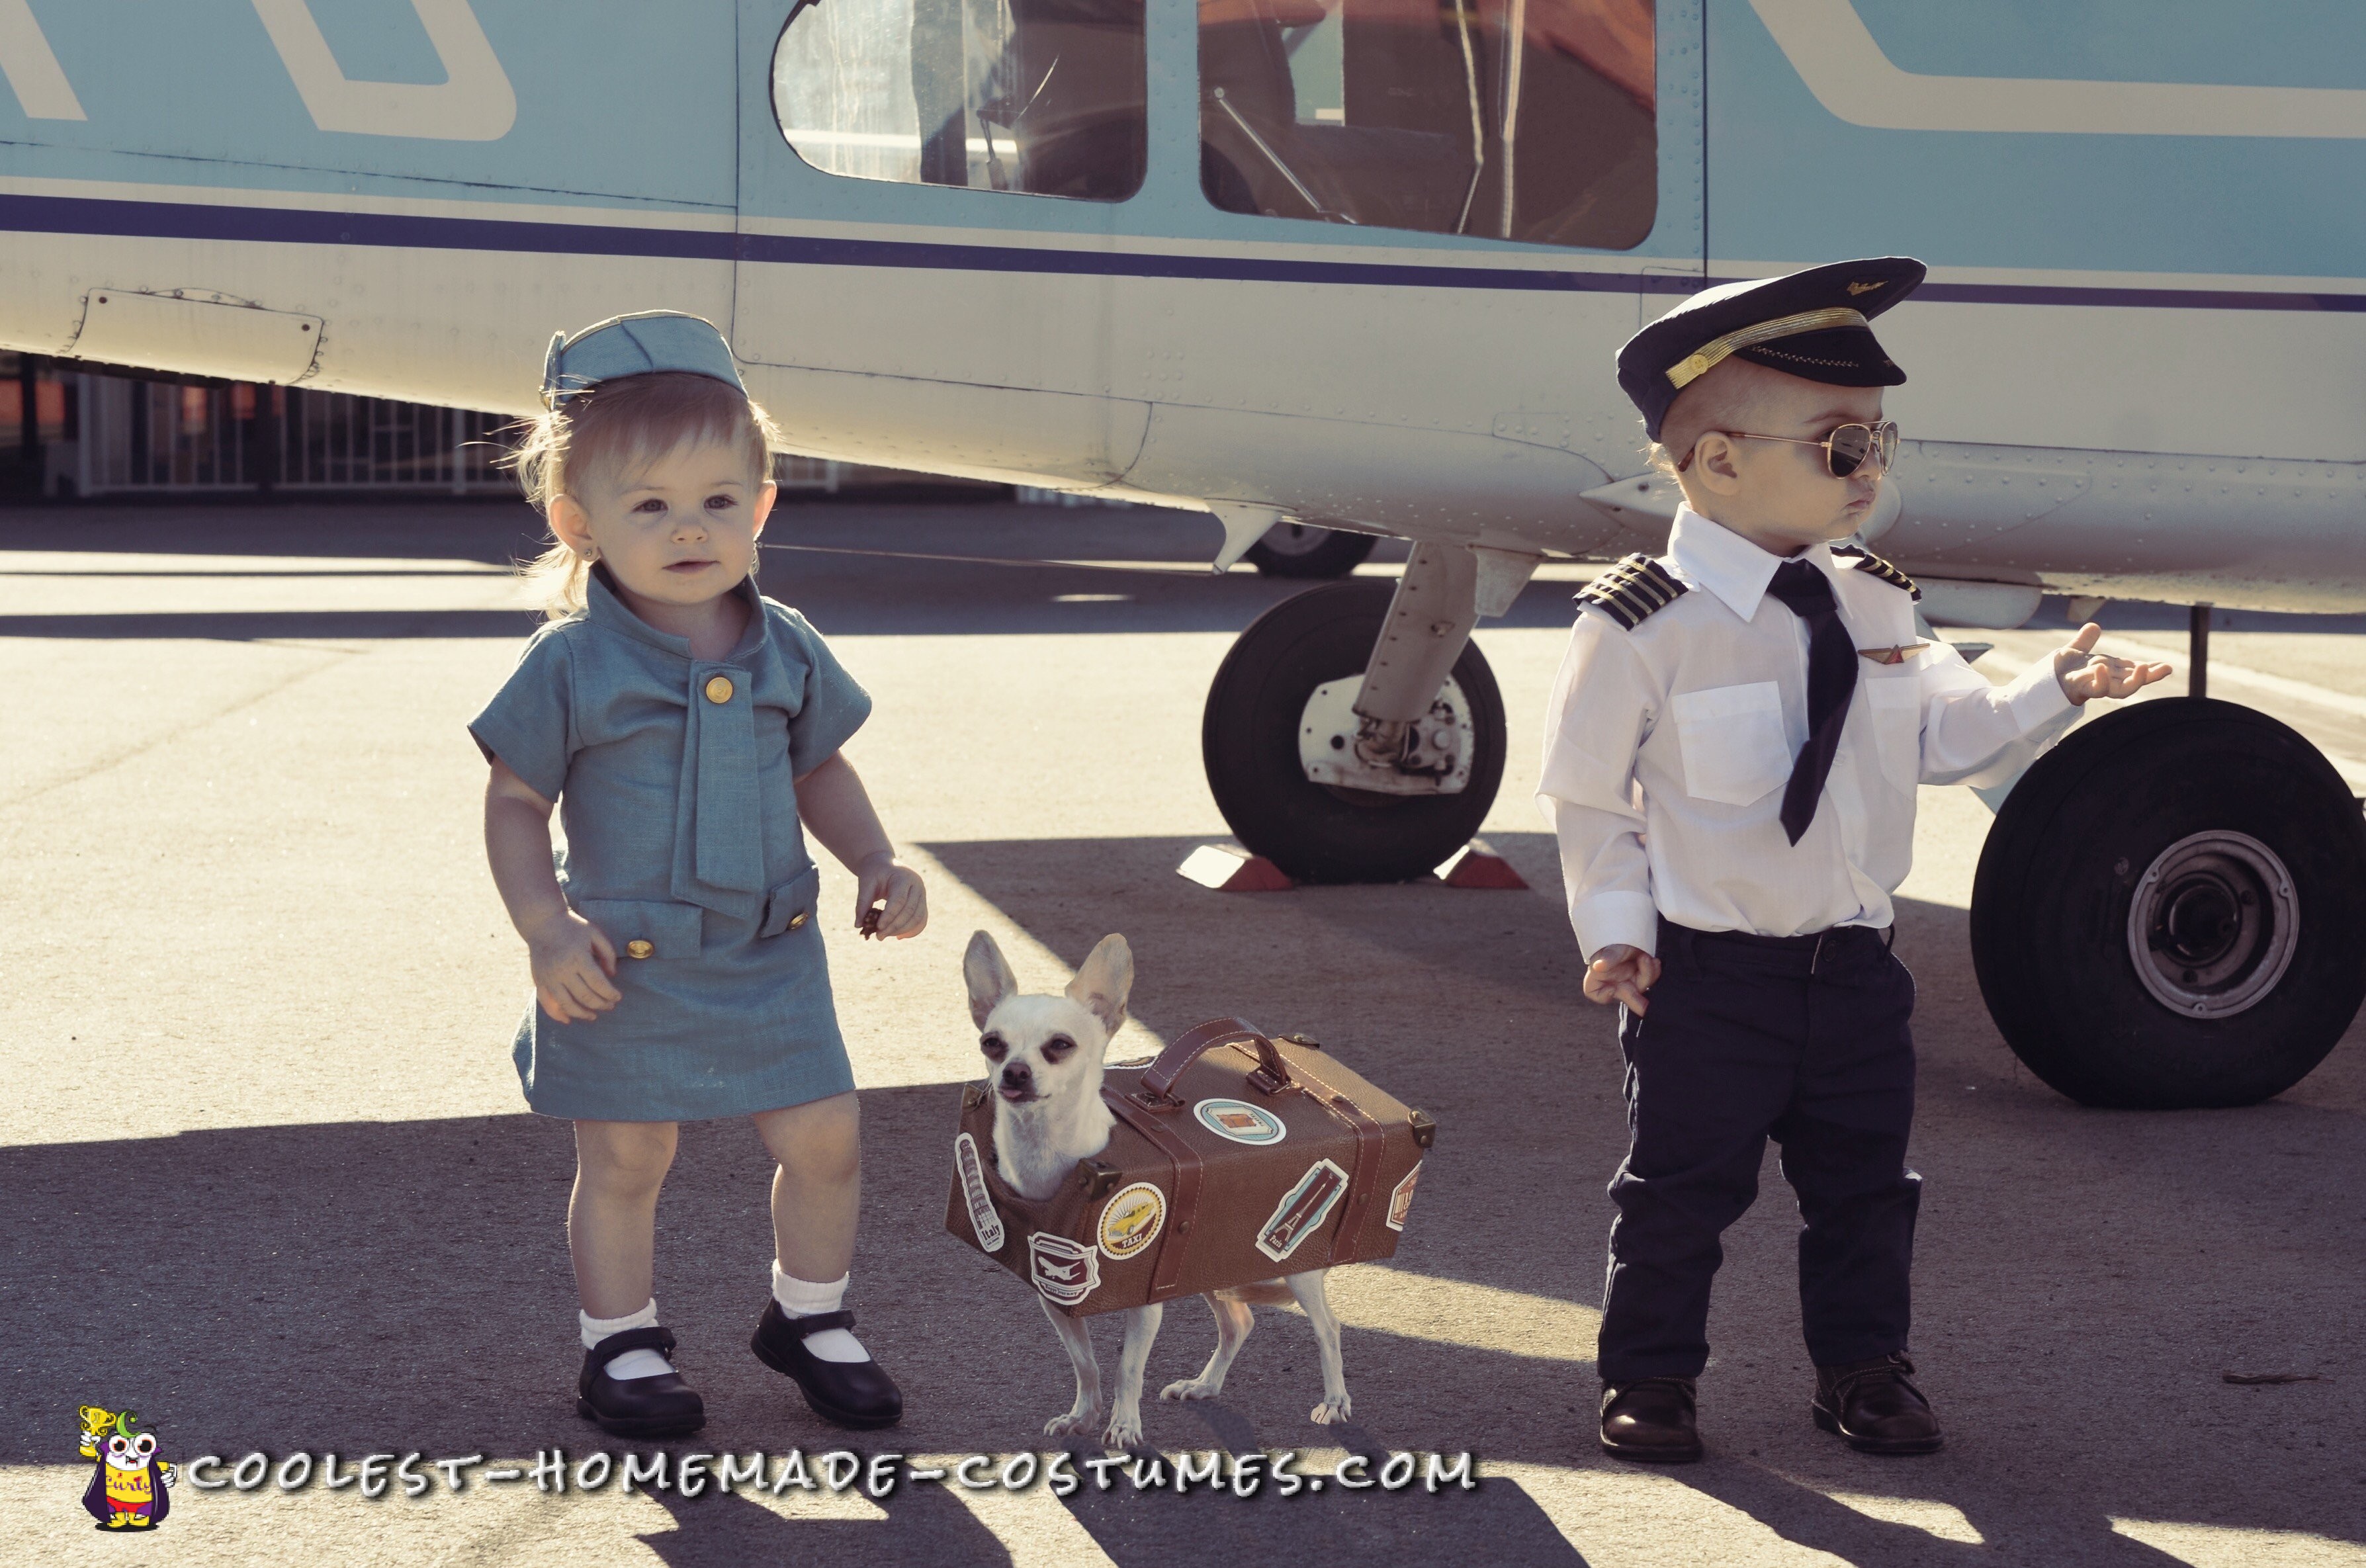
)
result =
(1074, 1423)
(1123, 1433)
(1331, 1412)
(1190, 1388)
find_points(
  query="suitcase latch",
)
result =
(1165, 1104)
(1265, 1083)
(1096, 1177)
(1425, 1129)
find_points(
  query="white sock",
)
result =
(632, 1363)
(803, 1298)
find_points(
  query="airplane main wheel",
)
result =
(2170, 908)
(1249, 741)
(1300, 549)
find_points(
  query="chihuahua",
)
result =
(1043, 1064)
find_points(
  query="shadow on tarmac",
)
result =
(369, 1286)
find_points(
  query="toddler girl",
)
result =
(684, 726)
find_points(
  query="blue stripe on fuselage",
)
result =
(278, 225)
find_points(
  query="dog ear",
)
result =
(1102, 986)
(989, 977)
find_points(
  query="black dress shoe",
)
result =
(1651, 1419)
(849, 1394)
(660, 1406)
(1875, 1406)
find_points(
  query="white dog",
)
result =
(1043, 1064)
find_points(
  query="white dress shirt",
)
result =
(1667, 749)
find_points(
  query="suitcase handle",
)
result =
(1271, 1077)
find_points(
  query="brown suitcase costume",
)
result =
(1235, 1158)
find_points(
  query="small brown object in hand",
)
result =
(868, 924)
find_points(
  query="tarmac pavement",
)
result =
(266, 1177)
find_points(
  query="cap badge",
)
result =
(1714, 353)
(1865, 288)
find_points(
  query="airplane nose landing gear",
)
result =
(2170, 908)
(1327, 792)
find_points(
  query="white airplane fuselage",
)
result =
(2138, 369)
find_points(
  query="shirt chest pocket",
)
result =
(1894, 707)
(1734, 747)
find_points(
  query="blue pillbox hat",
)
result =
(1811, 324)
(633, 346)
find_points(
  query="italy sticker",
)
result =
(971, 1169)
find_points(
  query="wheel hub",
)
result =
(2213, 924)
(1434, 754)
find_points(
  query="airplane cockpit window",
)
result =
(1044, 97)
(1517, 119)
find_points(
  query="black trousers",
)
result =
(1801, 1038)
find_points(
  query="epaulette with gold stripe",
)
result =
(1634, 589)
(1874, 565)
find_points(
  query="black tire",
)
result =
(1248, 739)
(1300, 549)
(2092, 828)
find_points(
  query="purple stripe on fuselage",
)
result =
(278, 225)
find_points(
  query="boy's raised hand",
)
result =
(2085, 674)
(572, 961)
(1622, 974)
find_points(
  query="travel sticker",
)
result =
(1133, 1221)
(972, 1171)
(1302, 1210)
(1065, 1272)
(1400, 1200)
(1240, 1121)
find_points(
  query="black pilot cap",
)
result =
(1810, 324)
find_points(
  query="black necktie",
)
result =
(1831, 679)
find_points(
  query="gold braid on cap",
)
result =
(1704, 359)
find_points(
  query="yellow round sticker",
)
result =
(1133, 1221)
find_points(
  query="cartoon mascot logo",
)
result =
(129, 1491)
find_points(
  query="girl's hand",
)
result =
(572, 961)
(881, 876)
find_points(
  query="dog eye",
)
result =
(1056, 1049)
(993, 1047)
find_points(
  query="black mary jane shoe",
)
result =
(660, 1406)
(859, 1394)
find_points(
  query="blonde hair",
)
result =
(612, 430)
(1729, 398)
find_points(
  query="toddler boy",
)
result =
(1732, 749)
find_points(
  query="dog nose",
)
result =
(1018, 1075)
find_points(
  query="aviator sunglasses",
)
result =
(1848, 450)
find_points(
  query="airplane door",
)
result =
(924, 188)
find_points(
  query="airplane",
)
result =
(1360, 267)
